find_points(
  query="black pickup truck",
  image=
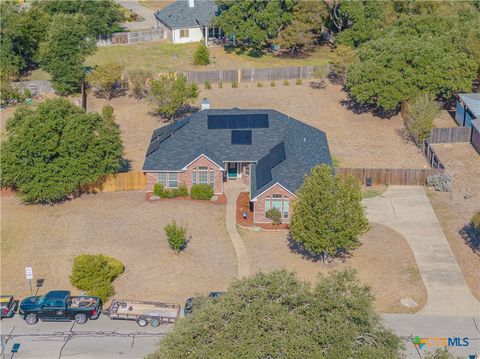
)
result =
(59, 305)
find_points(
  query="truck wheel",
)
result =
(143, 322)
(80, 318)
(31, 319)
(154, 322)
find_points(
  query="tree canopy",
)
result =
(105, 77)
(52, 150)
(405, 48)
(254, 23)
(64, 51)
(276, 315)
(328, 214)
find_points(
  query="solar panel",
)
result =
(263, 171)
(154, 146)
(277, 154)
(241, 121)
(241, 137)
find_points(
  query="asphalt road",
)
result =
(97, 339)
(105, 338)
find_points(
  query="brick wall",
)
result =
(185, 177)
(259, 205)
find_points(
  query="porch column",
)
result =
(206, 36)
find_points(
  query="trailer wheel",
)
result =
(31, 319)
(80, 318)
(142, 321)
(154, 322)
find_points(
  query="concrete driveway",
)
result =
(407, 210)
(149, 23)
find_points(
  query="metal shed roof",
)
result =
(472, 101)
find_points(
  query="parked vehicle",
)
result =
(59, 305)
(142, 312)
(190, 303)
(7, 306)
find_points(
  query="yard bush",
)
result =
(95, 274)
(201, 191)
(176, 236)
(259, 84)
(273, 84)
(476, 220)
(158, 190)
(182, 191)
(208, 85)
(286, 83)
(274, 215)
(421, 113)
(201, 56)
(441, 182)
(298, 81)
(234, 84)
(220, 85)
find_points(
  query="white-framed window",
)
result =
(184, 33)
(286, 206)
(203, 175)
(247, 170)
(168, 179)
(211, 179)
(279, 202)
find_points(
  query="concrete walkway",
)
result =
(232, 189)
(149, 23)
(407, 210)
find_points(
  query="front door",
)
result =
(232, 170)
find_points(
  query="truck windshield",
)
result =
(41, 300)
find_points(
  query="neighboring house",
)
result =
(269, 151)
(467, 109)
(188, 20)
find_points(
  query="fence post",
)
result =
(239, 75)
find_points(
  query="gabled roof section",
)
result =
(472, 100)
(179, 15)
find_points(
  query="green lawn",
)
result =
(162, 56)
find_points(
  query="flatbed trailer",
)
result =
(143, 312)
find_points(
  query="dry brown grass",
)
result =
(384, 261)
(454, 211)
(122, 225)
(156, 4)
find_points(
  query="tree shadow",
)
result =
(117, 92)
(299, 248)
(471, 236)
(318, 85)
(125, 165)
(181, 112)
(359, 108)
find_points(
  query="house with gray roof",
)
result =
(467, 109)
(267, 150)
(188, 20)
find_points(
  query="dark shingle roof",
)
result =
(305, 147)
(179, 15)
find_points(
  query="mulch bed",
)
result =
(222, 199)
(243, 204)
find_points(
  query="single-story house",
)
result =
(188, 21)
(467, 109)
(267, 150)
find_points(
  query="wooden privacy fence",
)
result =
(389, 176)
(243, 75)
(118, 182)
(431, 156)
(444, 135)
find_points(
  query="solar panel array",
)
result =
(264, 166)
(161, 134)
(241, 137)
(240, 121)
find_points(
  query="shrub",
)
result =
(138, 83)
(441, 182)
(476, 220)
(298, 81)
(234, 84)
(259, 84)
(183, 191)
(158, 190)
(176, 236)
(201, 191)
(286, 83)
(107, 114)
(274, 215)
(208, 85)
(201, 56)
(273, 84)
(95, 274)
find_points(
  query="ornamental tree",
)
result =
(171, 92)
(55, 149)
(276, 315)
(104, 78)
(201, 56)
(328, 214)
